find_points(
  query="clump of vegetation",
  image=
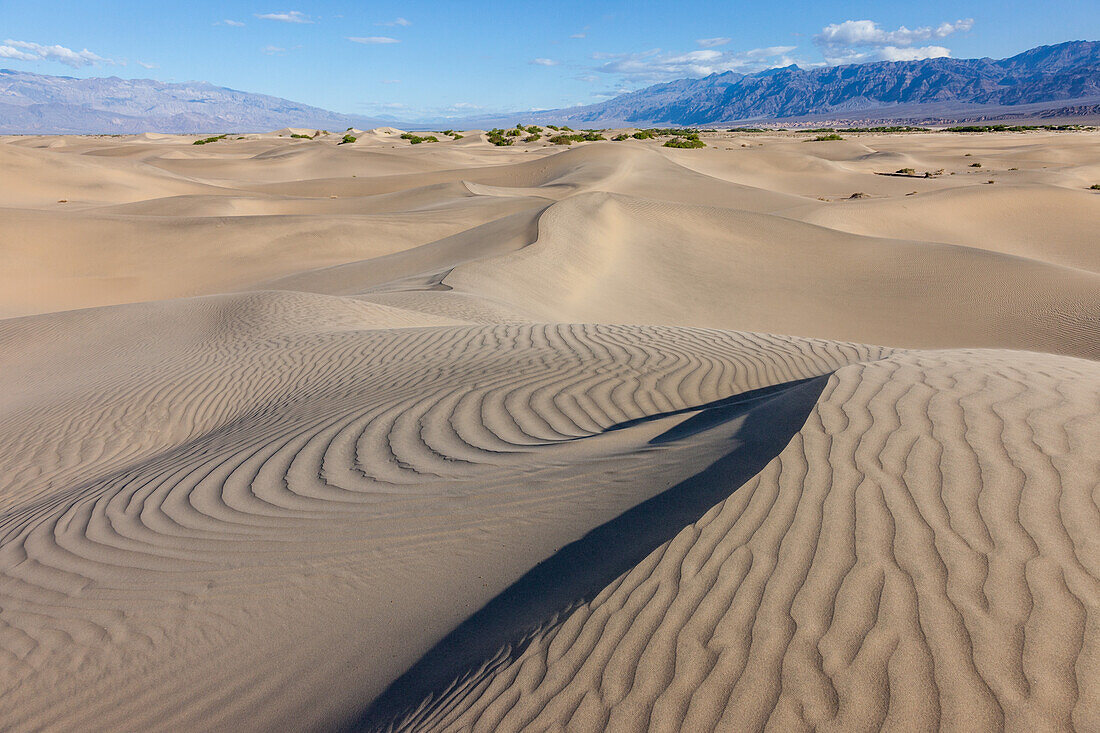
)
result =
(208, 140)
(577, 137)
(1012, 128)
(1095, 187)
(454, 135)
(417, 139)
(907, 171)
(620, 137)
(685, 141)
(746, 129)
(347, 139)
(990, 181)
(496, 137)
(975, 165)
(534, 138)
(554, 127)
(889, 128)
(534, 129)
(306, 137)
(644, 135)
(825, 138)
(566, 128)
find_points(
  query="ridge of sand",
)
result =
(457, 437)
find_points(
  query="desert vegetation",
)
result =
(208, 140)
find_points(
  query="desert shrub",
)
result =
(306, 137)
(448, 132)
(592, 136)
(566, 128)
(553, 127)
(1095, 187)
(456, 136)
(907, 171)
(517, 132)
(746, 129)
(347, 139)
(496, 137)
(620, 137)
(208, 140)
(685, 142)
(975, 165)
(534, 129)
(643, 135)
(532, 138)
(562, 139)
(825, 138)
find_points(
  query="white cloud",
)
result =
(545, 62)
(712, 42)
(273, 50)
(655, 66)
(395, 22)
(232, 23)
(147, 66)
(855, 41)
(27, 51)
(290, 16)
(373, 40)
(579, 35)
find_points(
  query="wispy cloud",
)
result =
(231, 23)
(545, 62)
(147, 65)
(712, 42)
(273, 50)
(655, 66)
(372, 40)
(27, 51)
(579, 35)
(855, 41)
(404, 23)
(289, 16)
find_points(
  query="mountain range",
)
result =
(1065, 75)
(37, 103)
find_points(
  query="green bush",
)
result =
(553, 127)
(825, 138)
(306, 137)
(620, 137)
(534, 129)
(496, 137)
(644, 135)
(532, 138)
(208, 140)
(907, 171)
(685, 142)
(347, 139)
(515, 133)
(416, 139)
(1095, 187)
(566, 128)
(975, 165)
(562, 139)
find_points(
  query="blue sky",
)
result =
(413, 59)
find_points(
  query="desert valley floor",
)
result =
(299, 435)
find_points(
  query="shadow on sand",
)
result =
(503, 628)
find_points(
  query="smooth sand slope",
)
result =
(454, 437)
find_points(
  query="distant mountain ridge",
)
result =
(37, 103)
(1065, 72)
(1066, 75)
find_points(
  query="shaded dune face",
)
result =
(450, 437)
(918, 556)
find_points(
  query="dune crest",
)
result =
(303, 434)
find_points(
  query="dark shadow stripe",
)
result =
(579, 571)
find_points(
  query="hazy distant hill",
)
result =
(41, 103)
(1065, 72)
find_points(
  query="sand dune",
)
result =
(378, 436)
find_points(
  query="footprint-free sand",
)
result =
(378, 436)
